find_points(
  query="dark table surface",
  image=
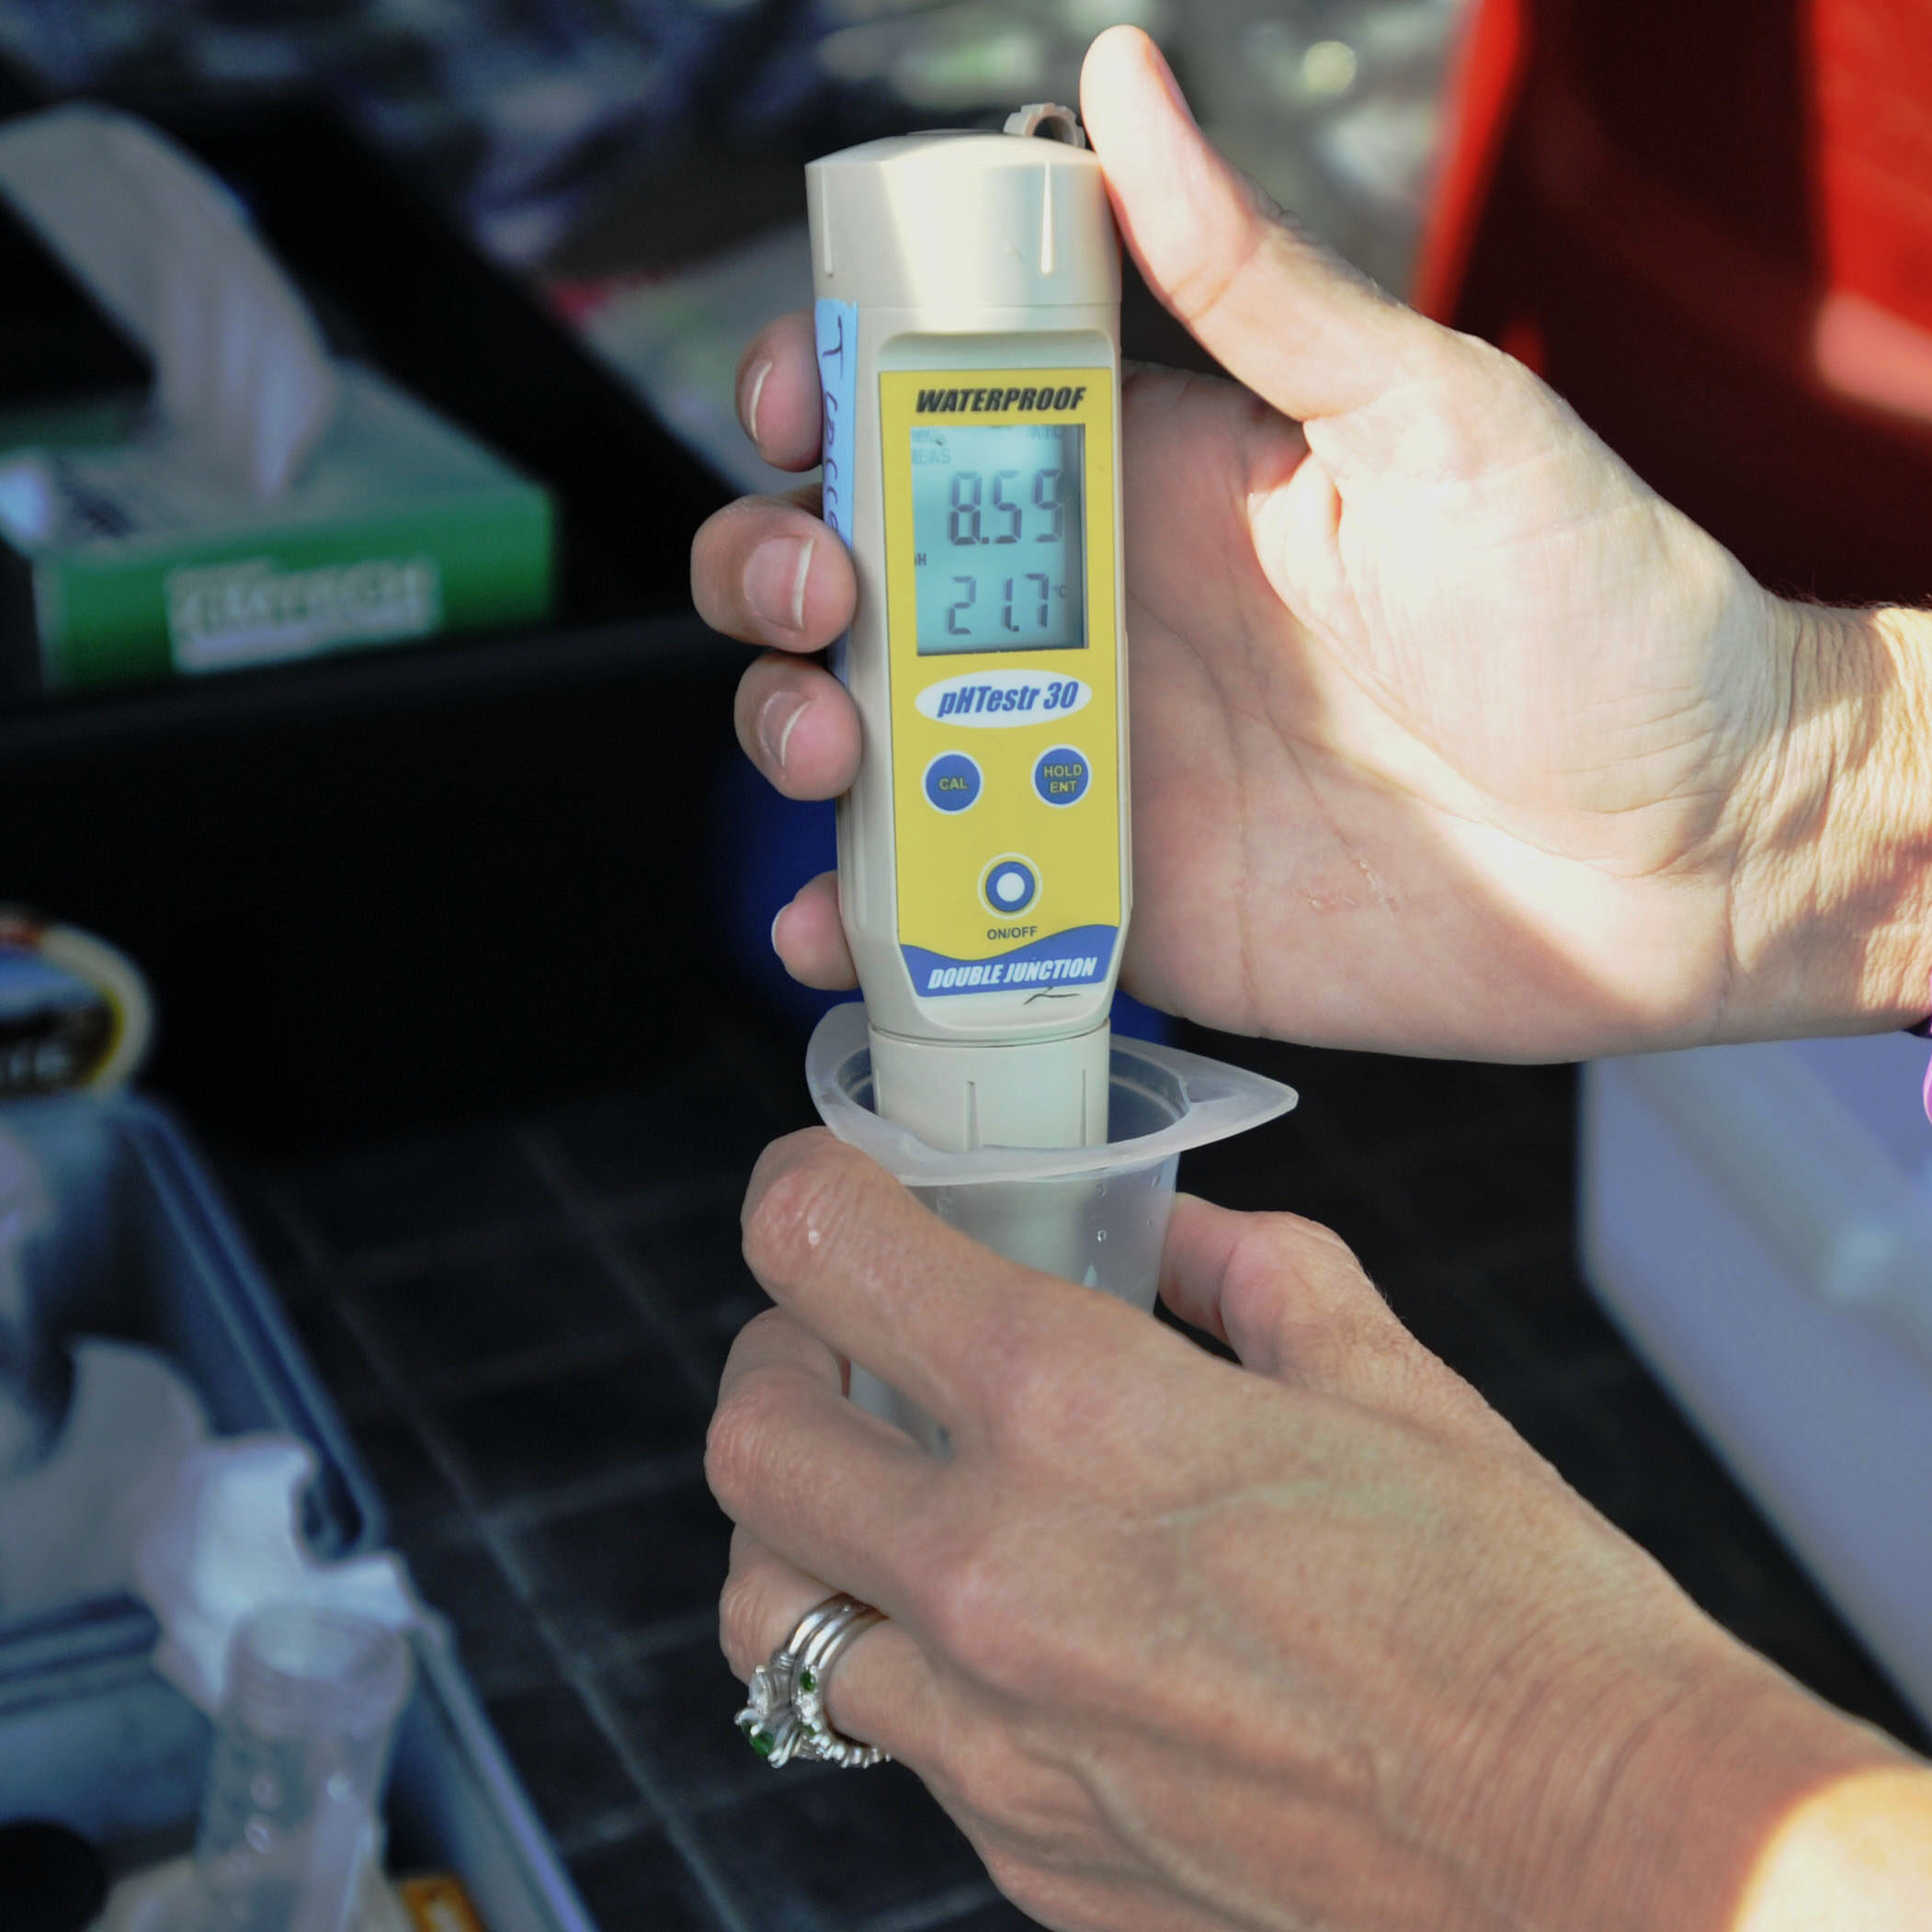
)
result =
(524, 1318)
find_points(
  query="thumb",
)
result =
(1285, 1294)
(1279, 311)
(1293, 1303)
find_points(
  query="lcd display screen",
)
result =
(998, 537)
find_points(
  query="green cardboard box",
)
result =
(125, 560)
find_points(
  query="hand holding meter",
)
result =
(968, 334)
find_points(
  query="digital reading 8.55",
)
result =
(998, 539)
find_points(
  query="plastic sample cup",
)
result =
(302, 1748)
(1096, 1215)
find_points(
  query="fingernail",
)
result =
(775, 919)
(750, 388)
(775, 580)
(777, 721)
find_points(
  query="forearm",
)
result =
(1832, 916)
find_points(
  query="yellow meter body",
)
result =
(969, 352)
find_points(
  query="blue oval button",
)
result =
(952, 781)
(1011, 886)
(1061, 776)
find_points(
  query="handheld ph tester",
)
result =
(968, 328)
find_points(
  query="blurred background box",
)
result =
(1757, 1221)
(138, 563)
(396, 289)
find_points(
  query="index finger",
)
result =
(828, 1487)
(779, 397)
(838, 1242)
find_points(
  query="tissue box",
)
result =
(126, 561)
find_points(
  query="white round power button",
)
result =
(1009, 885)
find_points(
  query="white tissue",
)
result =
(69, 1527)
(227, 1540)
(241, 369)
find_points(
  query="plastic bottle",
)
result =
(290, 1815)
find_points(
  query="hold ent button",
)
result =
(1061, 776)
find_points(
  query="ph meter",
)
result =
(968, 336)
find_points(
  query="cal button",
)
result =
(1061, 776)
(952, 781)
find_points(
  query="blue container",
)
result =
(140, 1248)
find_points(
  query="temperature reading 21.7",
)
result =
(997, 539)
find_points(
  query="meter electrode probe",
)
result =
(968, 331)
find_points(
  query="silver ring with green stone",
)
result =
(770, 1720)
(823, 1739)
(775, 1718)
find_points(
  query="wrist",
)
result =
(1832, 906)
(1855, 1855)
(1702, 1805)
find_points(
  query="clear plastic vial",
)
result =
(1096, 1215)
(294, 1789)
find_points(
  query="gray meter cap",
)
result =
(965, 222)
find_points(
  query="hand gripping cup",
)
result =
(1096, 1215)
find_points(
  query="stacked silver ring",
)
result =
(784, 1716)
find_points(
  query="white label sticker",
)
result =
(223, 616)
(836, 326)
(991, 700)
